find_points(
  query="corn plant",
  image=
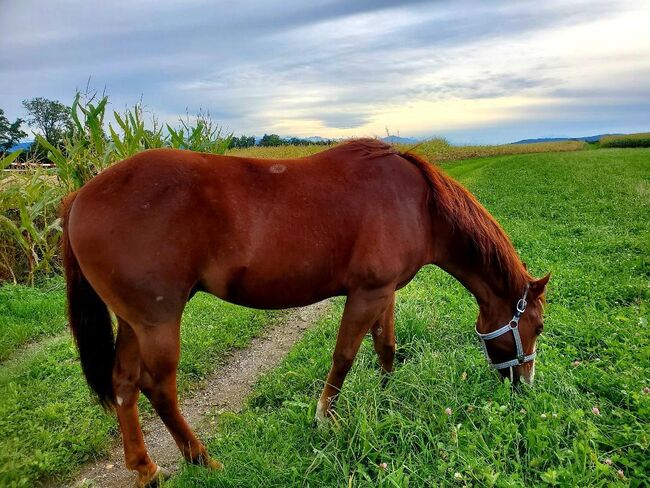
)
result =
(202, 135)
(134, 137)
(29, 225)
(31, 221)
(84, 152)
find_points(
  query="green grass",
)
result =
(49, 424)
(581, 215)
(28, 313)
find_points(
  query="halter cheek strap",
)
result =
(512, 326)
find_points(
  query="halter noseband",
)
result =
(512, 326)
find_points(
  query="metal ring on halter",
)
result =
(521, 304)
(513, 326)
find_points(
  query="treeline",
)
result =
(275, 140)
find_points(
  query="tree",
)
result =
(271, 140)
(242, 141)
(10, 133)
(51, 117)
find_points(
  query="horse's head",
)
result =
(508, 332)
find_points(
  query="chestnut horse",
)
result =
(358, 220)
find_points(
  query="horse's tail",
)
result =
(89, 318)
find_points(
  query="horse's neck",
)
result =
(454, 254)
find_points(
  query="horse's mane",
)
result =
(463, 212)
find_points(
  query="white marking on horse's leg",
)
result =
(321, 412)
(119, 401)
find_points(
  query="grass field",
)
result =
(49, 424)
(586, 422)
(29, 313)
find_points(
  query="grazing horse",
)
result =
(358, 220)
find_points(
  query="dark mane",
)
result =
(464, 212)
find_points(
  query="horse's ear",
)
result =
(538, 287)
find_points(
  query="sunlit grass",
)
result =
(440, 150)
(278, 152)
(630, 140)
(437, 149)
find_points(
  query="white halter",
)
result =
(512, 326)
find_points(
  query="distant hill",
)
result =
(399, 140)
(314, 139)
(21, 145)
(560, 139)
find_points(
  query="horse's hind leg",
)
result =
(160, 351)
(383, 336)
(362, 309)
(126, 376)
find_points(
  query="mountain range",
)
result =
(560, 139)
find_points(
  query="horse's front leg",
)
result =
(362, 309)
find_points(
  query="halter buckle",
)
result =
(521, 305)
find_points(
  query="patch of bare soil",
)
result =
(225, 390)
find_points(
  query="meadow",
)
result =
(444, 418)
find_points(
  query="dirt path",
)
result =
(225, 390)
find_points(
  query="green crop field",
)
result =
(582, 215)
(586, 421)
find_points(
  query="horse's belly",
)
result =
(269, 285)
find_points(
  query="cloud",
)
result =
(338, 68)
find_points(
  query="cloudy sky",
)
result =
(473, 71)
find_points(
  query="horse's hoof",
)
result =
(154, 480)
(322, 421)
(322, 417)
